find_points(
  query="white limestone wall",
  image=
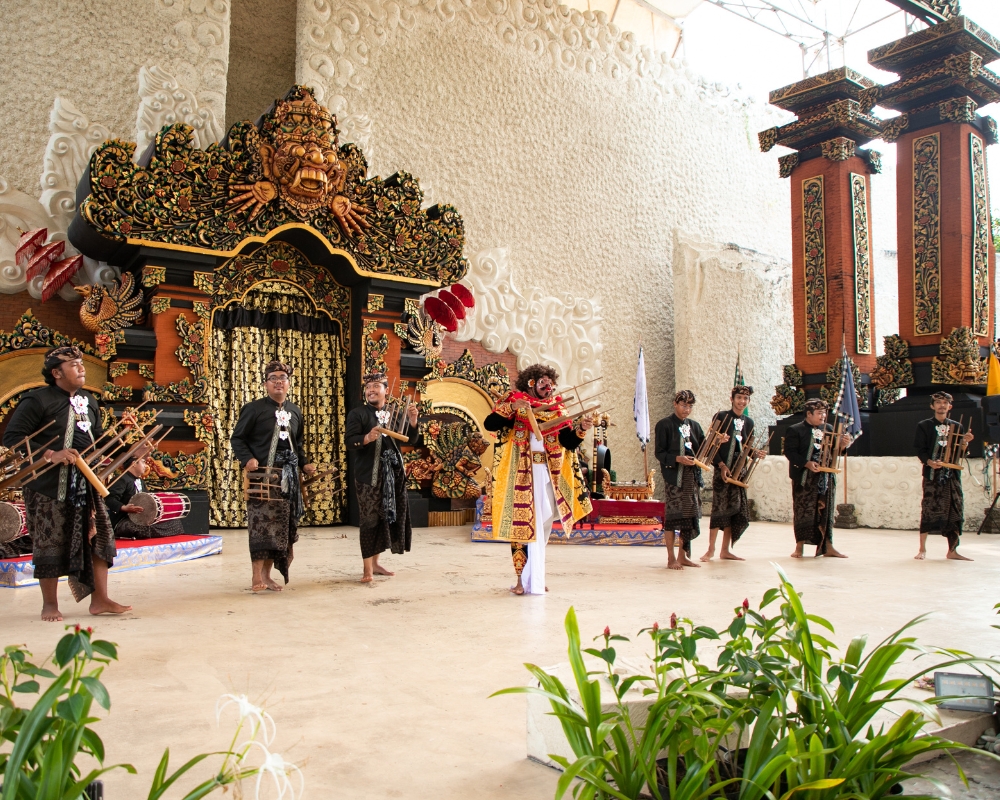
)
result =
(885, 491)
(728, 298)
(566, 148)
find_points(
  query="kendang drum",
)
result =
(12, 522)
(159, 507)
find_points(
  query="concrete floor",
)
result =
(382, 690)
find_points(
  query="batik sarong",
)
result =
(942, 509)
(683, 508)
(813, 510)
(383, 513)
(729, 507)
(273, 532)
(60, 534)
(126, 529)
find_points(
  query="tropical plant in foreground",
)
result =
(47, 739)
(781, 714)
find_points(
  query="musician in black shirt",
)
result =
(942, 508)
(67, 520)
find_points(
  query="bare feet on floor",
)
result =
(271, 585)
(380, 570)
(674, 564)
(684, 561)
(832, 552)
(797, 553)
(51, 614)
(366, 578)
(727, 556)
(954, 555)
(921, 555)
(107, 606)
(709, 555)
(258, 586)
(519, 589)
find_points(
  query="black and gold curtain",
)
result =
(276, 320)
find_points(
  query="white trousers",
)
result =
(533, 574)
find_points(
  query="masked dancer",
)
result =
(268, 433)
(677, 441)
(942, 509)
(730, 510)
(813, 491)
(66, 518)
(379, 476)
(537, 482)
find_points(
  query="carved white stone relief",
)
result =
(164, 101)
(337, 40)
(72, 141)
(563, 331)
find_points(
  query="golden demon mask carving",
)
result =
(302, 168)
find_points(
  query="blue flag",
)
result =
(847, 402)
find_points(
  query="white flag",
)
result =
(640, 408)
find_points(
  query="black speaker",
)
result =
(991, 415)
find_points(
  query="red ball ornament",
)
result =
(463, 293)
(439, 311)
(453, 303)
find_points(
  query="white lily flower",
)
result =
(247, 709)
(279, 769)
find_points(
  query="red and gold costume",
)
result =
(514, 490)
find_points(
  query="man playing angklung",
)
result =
(677, 441)
(66, 517)
(813, 490)
(942, 510)
(379, 476)
(537, 482)
(730, 510)
(269, 433)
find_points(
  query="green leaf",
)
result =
(107, 649)
(72, 709)
(27, 686)
(68, 647)
(824, 783)
(98, 692)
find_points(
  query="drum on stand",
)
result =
(159, 507)
(12, 522)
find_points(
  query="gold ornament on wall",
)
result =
(959, 362)
(111, 309)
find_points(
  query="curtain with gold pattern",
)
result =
(239, 355)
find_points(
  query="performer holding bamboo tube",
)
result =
(730, 509)
(942, 509)
(66, 517)
(379, 477)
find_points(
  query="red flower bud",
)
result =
(656, 626)
(90, 630)
(673, 621)
(739, 613)
(76, 629)
(607, 630)
(746, 604)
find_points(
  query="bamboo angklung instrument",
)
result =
(714, 439)
(18, 472)
(954, 450)
(13, 453)
(394, 404)
(750, 456)
(149, 448)
(830, 449)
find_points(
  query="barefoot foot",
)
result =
(519, 589)
(674, 565)
(954, 555)
(380, 570)
(51, 613)
(108, 607)
(730, 557)
(367, 579)
(921, 555)
(684, 561)
(258, 586)
(796, 554)
(831, 552)
(709, 556)
(272, 586)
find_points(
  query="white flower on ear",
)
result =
(247, 709)
(279, 769)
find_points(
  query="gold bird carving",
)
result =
(113, 309)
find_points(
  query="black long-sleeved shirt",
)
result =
(799, 447)
(360, 422)
(669, 444)
(37, 409)
(252, 435)
(925, 442)
(730, 451)
(121, 494)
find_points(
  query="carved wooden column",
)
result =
(831, 220)
(946, 256)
